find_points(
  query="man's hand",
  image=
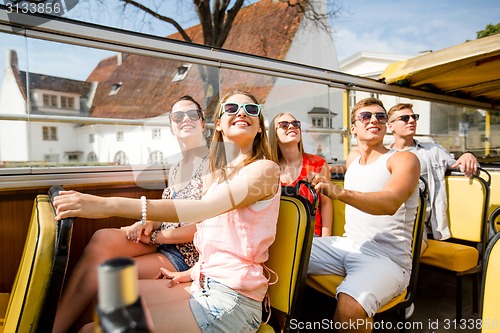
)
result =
(467, 163)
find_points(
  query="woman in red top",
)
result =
(285, 137)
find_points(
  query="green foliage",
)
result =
(489, 31)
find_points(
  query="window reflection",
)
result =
(313, 104)
(130, 87)
(114, 86)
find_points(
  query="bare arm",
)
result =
(405, 171)
(139, 233)
(177, 235)
(183, 234)
(326, 208)
(258, 181)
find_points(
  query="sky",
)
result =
(410, 27)
(384, 26)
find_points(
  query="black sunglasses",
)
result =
(406, 117)
(178, 116)
(285, 124)
(365, 117)
(251, 109)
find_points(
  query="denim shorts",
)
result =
(218, 308)
(174, 255)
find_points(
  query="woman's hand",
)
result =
(136, 231)
(175, 277)
(75, 204)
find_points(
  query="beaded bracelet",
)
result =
(144, 210)
(153, 238)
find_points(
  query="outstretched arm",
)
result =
(405, 171)
(258, 181)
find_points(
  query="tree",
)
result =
(489, 31)
(216, 19)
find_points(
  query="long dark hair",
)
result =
(273, 138)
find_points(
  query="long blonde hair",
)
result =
(260, 147)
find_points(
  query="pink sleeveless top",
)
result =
(234, 246)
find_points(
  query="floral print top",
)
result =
(192, 190)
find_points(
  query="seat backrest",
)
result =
(289, 254)
(338, 212)
(491, 287)
(59, 267)
(28, 292)
(39, 280)
(468, 200)
(418, 235)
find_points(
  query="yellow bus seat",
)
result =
(338, 212)
(4, 301)
(289, 257)
(31, 305)
(327, 284)
(491, 287)
(468, 200)
(494, 222)
(26, 298)
(494, 196)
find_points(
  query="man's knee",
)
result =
(348, 307)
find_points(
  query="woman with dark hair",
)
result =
(175, 250)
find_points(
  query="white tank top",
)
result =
(387, 235)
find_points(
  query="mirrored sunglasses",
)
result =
(178, 116)
(285, 124)
(406, 117)
(365, 117)
(251, 109)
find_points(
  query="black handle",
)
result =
(54, 191)
(311, 189)
(494, 215)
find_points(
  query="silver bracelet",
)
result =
(144, 210)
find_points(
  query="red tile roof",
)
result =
(266, 28)
(103, 69)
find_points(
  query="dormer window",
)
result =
(317, 122)
(67, 102)
(321, 117)
(50, 101)
(115, 88)
(181, 72)
(156, 133)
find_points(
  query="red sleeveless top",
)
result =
(310, 163)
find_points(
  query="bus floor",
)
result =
(434, 308)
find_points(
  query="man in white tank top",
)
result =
(381, 196)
